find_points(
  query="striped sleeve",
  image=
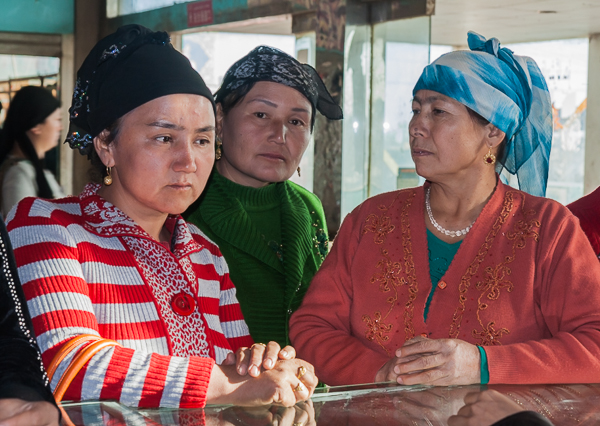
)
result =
(58, 297)
(233, 325)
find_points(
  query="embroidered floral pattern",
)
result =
(390, 274)
(377, 330)
(497, 277)
(163, 275)
(379, 225)
(465, 281)
(409, 269)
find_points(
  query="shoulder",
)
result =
(19, 169)
(308, 197)
(384, 201)
(199, 236)
(33, 210)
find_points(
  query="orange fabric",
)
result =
(66, 350)
(78, 361)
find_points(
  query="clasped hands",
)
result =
(438, 362)
(267, 374)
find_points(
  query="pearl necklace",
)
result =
(451, 234)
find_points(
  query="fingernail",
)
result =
(269, 363)
(284, 353)
(242, 369)
(399, 380)
(254, 370)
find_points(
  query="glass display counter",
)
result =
(376, 404)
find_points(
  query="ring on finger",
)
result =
(301, 372)
(258, 343)
(299, 388)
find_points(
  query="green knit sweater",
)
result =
(273, 238)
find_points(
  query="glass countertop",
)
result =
(373, 404)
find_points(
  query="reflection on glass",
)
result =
(401, 51)
(382, 65)
(355, 146)
(373, 404)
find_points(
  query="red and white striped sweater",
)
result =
(87, 268)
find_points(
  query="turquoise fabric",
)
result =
(485, 372)
(510, 92)
(440, 257)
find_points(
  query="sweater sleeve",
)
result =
(232, 321)
(320, 329)
(568, 289)
(61, 309)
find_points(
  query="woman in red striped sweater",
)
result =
(119, 262)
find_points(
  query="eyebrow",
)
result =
(168, 125)
(428, 99)
(274, 105)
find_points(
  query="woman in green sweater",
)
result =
(271, 231)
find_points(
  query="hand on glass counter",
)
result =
(439, 362)
(258, 357)
(17, 412)
(287, 383)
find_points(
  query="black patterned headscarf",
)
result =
(266, 63)
(123, 71)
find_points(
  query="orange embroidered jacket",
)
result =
(524, 284)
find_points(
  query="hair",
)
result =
(30, 106)
(109, 136)
(478, 119)
(234, 97)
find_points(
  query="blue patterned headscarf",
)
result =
(510, 92)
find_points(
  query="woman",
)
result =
(25, 397)
(271, 231)
(32, 128)
(464, 280)
(119, 262)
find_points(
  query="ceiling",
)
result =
(513, 21)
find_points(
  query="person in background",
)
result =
(32, 128)
(25, 396)
(587, 209)
(119, 262)
(464, 280)
(271, 231)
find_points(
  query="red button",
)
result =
(183, 304)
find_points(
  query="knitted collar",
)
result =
(106, 220)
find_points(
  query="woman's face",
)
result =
(265, 135)
(445, 141)
(46, 135)
(162, 156)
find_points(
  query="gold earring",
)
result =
(108, 177)
(489, 158)
(298, 170)
(218, 151)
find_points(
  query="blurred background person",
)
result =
(32, 128)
